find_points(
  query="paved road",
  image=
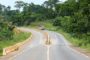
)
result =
(60, 49)
(37, 50)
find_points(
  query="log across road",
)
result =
(37, 50)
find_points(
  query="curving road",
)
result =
(37, 50)
(60, 49)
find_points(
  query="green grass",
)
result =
(82, 43)
(48, 25)
(16, 39)
(75, 41)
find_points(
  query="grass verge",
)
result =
(19, 37)
(75, 41)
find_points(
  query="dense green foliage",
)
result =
(6, 27)
(5, 31)
(73, 16)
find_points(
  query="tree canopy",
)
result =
(72, 15)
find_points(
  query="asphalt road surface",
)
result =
(37, 50)
(60, 49)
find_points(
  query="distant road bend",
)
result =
(37, 50)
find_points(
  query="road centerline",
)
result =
(48, 52)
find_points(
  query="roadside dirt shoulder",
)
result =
(83, 51)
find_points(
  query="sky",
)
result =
(12, 2)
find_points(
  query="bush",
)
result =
(80, 23)
(57, 21)
(6, 31)
(64, 22)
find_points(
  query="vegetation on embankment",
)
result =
(71, 18)
(75, 41)
(82, 42)
(18, 36)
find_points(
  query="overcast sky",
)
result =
(12, 2)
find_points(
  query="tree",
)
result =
(51, 4)
(19, 4)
